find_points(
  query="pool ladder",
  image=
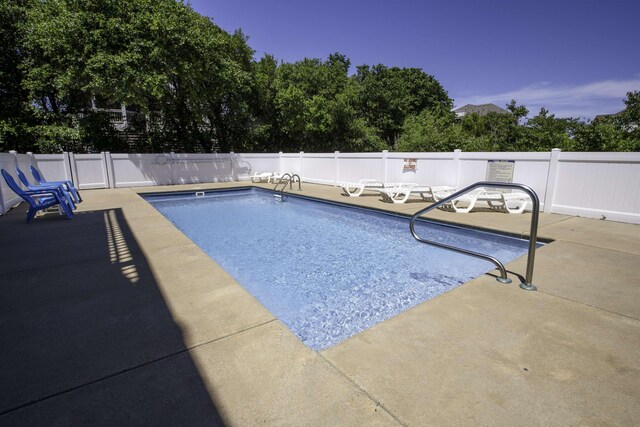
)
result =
(279, 196)
(533, 233)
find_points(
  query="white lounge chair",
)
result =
(355, 189)
(261, 177)
(402, 193)
(277, 177)
(513, 203)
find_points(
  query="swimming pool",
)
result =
(328, 271)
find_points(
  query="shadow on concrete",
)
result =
(86, 335)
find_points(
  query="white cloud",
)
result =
(584, 101)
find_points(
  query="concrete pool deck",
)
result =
(117, 318)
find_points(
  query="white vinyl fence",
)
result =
(596, 185)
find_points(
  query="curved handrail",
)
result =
(293, 179)
(527, 285)
(290, 181)
(281, 179)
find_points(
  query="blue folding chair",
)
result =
(67, 184)
(38, 199)
(32, 187)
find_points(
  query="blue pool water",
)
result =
(328, 271)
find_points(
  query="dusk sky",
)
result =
(576, 58)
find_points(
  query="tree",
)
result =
(315, 104)
(265, 131)
(630, 121)
(601, 134)
(497, 131)
(160, 58)
(619, 132)
(519, 112)
(387, 96)
(429, 131)
(545, 132)
(16, 120)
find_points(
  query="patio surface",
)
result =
(116, 318)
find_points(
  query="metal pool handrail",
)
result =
(527, 285)
(290, 181)
(293, 179)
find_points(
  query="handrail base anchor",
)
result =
(503, 280)
(528, 286)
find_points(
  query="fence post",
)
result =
(73, 167)
(552, 176)
(301, 156)
(172, 169)
(15, 157)
(66, 165)
(32, 160)
(3, 209)
(15, 165)
(336, 154)
(108, 170)
(232, 156)
(385, 169)
(456, 165)
(280, 163)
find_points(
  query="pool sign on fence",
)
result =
(410, 165)
(500, 170)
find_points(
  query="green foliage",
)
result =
(629, 121)
(56, 138)
(545, 132)
(518, 112)
(513, 132)
(620, 132)
(494, 131)
(387, 96)
(598, 136)
(264, 120)
(315, 107)
(435, 132)
(631, 115)
(307, 102)
(16, 120)
(159, 56)
(96, 133)
(429, 132)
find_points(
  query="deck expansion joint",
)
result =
(362, 390)
(626, 316)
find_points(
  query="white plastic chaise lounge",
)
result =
(277, 177)
(355, 189)
(261, 177)
(401, 193)
(513, 203)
